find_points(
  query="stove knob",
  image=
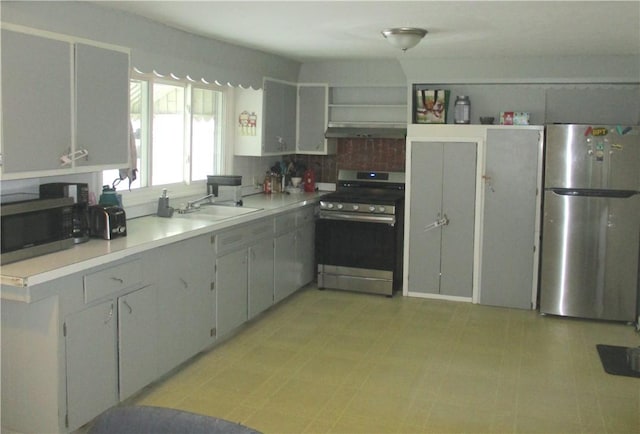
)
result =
(340, 206)
(381, 209)
(372, 208)
(329, 205)
(356, 207)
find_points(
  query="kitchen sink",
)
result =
(217, 212)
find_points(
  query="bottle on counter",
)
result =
(266, 186)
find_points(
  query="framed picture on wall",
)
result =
(430, 105)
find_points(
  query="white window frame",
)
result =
(147, 195)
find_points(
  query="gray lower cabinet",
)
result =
(232, 290)
(186, 301)
(91, 339)
(442, 213)
(138, 344)
(305, 246)
(244, 273)
(260, 279)
(91, 362)
(294, 260)
(285, 274)
(511, 179)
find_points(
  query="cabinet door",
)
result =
(279, 110)
(289, 111)
(92, 367)
(260, 276)
(286, 275)
(442, 189)
(137, 340)
(425, 209)
(273, 116)
(312, 118)
(458, 206)
(231, 288)
(509, 221)
(305, 249)
(36, 102)
(185, 300)
(102, 105)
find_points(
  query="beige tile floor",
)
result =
(337, 362)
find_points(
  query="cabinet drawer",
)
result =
(230, 240)
(261, 229)
(111, 280)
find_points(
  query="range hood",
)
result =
(366, 130)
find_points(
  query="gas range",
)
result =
(359, 234)
(364, 193)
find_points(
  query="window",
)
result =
(178, 132)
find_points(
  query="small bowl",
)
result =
(487, 120)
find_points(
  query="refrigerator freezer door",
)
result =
(592, 157)
(589, 265)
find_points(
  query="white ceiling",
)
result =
(322, 30)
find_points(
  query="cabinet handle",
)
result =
(128, 306)
(487, 181)
(67, 159)
(185, 284)
(109, 315)
(436, 224)
(117, 279)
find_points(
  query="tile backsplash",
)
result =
(358, 154)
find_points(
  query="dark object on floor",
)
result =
(158, 420)
(614, 360)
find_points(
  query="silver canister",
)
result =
(462, 110)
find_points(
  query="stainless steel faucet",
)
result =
(192, 205)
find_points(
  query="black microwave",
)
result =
(35, 227)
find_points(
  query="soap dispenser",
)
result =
(164, 210)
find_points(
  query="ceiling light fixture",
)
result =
(404, 37)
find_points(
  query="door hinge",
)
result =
(213, 332)
(64, 329)
(213, 285)
(66, 420)
(213, 239)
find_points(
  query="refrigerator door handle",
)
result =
(617, 194)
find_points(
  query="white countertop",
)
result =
(143, 233)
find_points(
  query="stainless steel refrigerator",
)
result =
(591, 222)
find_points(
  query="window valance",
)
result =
(200, 72)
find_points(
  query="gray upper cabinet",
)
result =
(442, 216)
(102, 105)
(312, 120)
(36, 102)
(279, 108)
(511, 182)
(61, 97)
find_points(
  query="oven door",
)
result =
(355, 244)
(359, 256)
